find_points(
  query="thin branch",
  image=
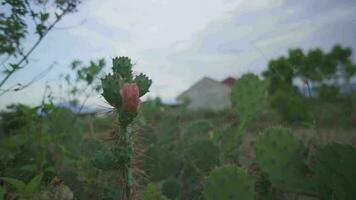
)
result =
(33, 80)
(72, 26)
(24, 58)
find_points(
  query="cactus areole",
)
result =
(130, 97)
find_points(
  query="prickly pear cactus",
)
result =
(280, 156)
(248, 97)
(198, 129)
(168, 129)
(229, 182)
(203, 154)
(336, 172)
(191, 179)
(122, 90)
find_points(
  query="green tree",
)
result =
(16, 28)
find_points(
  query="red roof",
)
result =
(229, 81)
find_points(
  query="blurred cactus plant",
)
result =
(229, 182)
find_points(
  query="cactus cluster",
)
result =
(280, 156)
(229, 182)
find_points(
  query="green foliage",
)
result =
(88, 73)
(25, 190)
(329, 93)
(110, 193)
(2, 193)
(203, 160)
(168, 129)
(198, 129)
(336, 173)
(315, 67)
(281, 157)
(248, 98)
(13, 27)
(171, 189)
(152, 193)
(229, 182)
(152, 109)
(16, 117)
(192, 180)
(162, 162)
(291, 106)
(320, 72)
(103, 160)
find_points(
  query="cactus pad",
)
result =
(229, 182)
(336, 172)
(280, 156)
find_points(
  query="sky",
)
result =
(177, 42)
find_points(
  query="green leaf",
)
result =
(29, 168)
(51, 169)
(17, 184)
(40, 29)
(123, 67)
(143, 83)
(44, 16)
(33, 185)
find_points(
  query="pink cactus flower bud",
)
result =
(130, 97)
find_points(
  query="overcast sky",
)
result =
(177, 42)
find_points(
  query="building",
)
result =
(208, 94)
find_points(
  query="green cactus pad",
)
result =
(280, 156)
(248, 97)
(336, 172)
(229, 182)
(198, 129)
(111, 90)
(123, 67)
(168, 129)
(203, 154)
(143, 83)
(191, 179)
